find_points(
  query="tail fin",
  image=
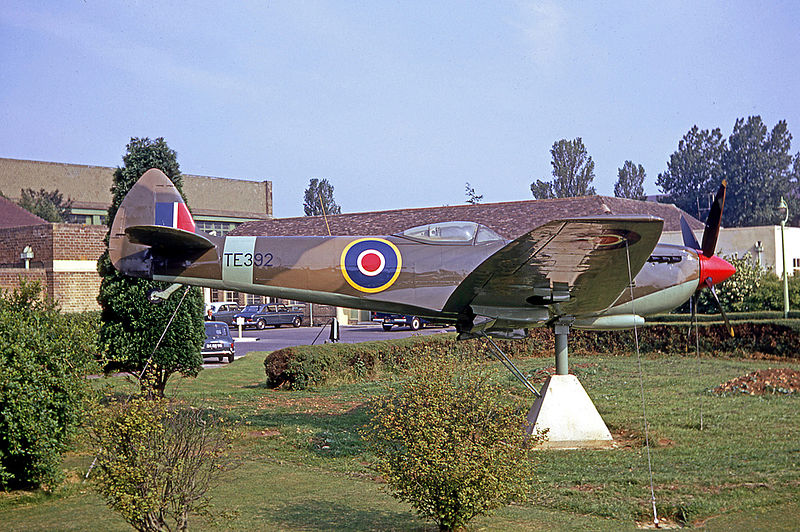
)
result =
(152, 216)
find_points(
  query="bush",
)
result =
(44, 357)
(449, 441)
(302, 366)
(157, 461)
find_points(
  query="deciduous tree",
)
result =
(759, 170)
(318, 198)
(50, 206)
(694, 171)
(573, 172)
(630, 182)
(130, 325)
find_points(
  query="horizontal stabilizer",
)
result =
(167, 238)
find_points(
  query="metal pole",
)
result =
(785, 208)
(562, 354)
(785, 278)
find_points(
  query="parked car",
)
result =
(277, 315)
(247, 313)
(219, 342)
(272, 314)
(403, 320)
(223, 311)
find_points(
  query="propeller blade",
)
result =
(714, 219)
(721, 310)
(689, 239)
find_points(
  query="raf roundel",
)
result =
(371, 264)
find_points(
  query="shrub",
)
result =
(302, 366)
(449, 441)
(157, 461)
(44, 357)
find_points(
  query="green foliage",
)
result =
(157, 461)
(472, 197)
(302, 366)
(756, 163)
(47, 205)
(630, 182)
(44, 357)
(449, 441)
(130, 325)
(738, 293)
(694, 171)
(573, 172)
(751, 289)
(318, 198)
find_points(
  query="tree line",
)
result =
(756, 162)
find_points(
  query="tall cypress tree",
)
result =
(130, 324)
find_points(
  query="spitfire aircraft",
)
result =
(602, 272)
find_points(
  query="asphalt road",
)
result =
(272, 339)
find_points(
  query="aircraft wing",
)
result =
(580, 264)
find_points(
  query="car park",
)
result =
(218, 342)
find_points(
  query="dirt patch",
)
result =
(663, 523)
(762, 382)
(310, 405)
(264, 433)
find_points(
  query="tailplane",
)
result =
(153, 218)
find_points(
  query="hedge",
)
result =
(732, 316)
(302, 366)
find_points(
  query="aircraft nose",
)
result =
(715, 268)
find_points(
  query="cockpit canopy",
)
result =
(463, 233)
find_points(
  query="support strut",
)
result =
(562, 350)
(499, 355)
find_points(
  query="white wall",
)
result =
(737, 241)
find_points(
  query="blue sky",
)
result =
(398, 104)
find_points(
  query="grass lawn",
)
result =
(304, 467)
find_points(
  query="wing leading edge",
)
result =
(573, 267)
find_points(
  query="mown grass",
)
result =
(304, 467)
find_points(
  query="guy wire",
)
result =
(641, 389)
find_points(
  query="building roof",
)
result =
(12, 215)
(89, 187)
(508, 219)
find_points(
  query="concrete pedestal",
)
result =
(572, 419)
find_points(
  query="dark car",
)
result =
(277, 315)
(403, 320)
(247, 313)
(219, 342)
(224, 312)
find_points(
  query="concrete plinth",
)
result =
(568, 413)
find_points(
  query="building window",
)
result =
(796, 266)
(215, 228)
(252, 299)
(222, 295)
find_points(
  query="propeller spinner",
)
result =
(713, 269)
